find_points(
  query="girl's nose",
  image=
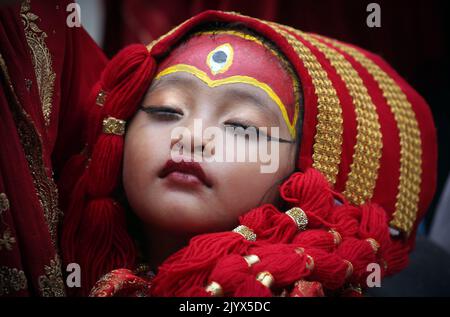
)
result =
(193, 142)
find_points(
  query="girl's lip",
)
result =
(187, 168)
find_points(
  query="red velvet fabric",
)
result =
(27, 181)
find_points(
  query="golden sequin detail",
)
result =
(367, 150)
(246, 232)
(41, 57)
(299, 217)
(115, 126)
(407, 203)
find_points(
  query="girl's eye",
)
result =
(242, 129)
(163, 113)
(246, 129)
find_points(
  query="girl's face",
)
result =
(176, 198)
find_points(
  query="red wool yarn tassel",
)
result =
(72, 223)
(270, 224)
(262, 220)
(283, 230)
(231, 271)
(329, 268)
(395, 257)
(103, 172)
(252, 287)
(360, 253)
(345, 219)
(319, 239)
(191, 266)
(180, 272)
(309, 191)
(94, 232)
(107, 228)
(287, 263)
(374, 224)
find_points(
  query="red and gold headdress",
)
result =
(364, 129)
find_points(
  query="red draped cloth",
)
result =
(46, 72)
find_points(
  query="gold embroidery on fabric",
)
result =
(46, 189)
(407, 203)
(51, 284)
(112, 283)
(4, 203)
(11, 280)
(115, 126)
(367, 151)
(41, 57)
(7, 240)
(328, 139)
(102, 286)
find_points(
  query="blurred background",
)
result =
(413, 38)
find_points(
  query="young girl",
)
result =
(352, 144)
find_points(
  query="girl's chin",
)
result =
(180, 216)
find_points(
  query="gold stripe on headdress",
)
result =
(407, 203)
(367, 150)
(328, 139)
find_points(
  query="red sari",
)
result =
(46, 72)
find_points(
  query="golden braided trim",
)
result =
(328, 139)
(407, 204)
(367, 151)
